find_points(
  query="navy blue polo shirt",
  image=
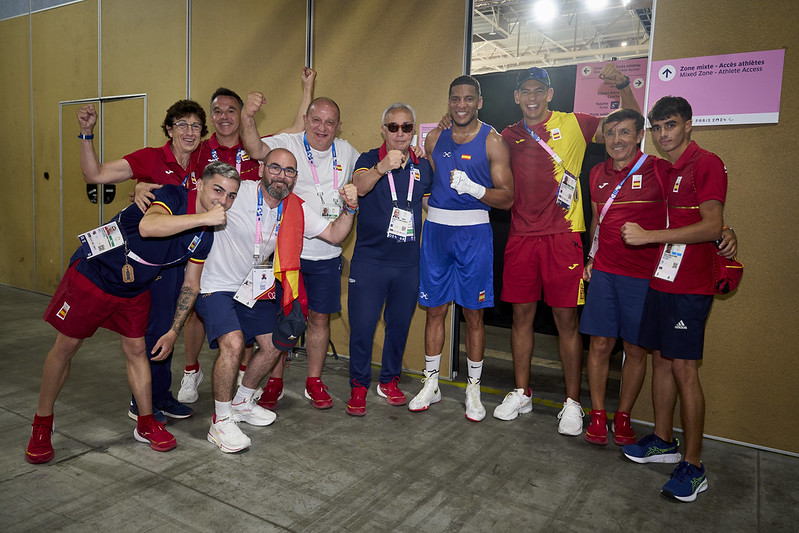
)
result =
(105, 270)
(374, 214)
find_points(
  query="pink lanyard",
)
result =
(394, 189)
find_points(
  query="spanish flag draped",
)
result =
(287, 254)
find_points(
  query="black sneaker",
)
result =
(173, 408)
(133, 412)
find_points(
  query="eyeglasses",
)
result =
(275, 169)
(393, 127)
(184, 126)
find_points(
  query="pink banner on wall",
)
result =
(725, 89)
(597, 97)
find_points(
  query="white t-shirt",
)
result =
(231, 256)
(346, 156)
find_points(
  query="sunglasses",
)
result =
(393, 127)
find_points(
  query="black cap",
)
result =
(538, 74)
(289, 328)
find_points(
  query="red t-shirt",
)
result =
(536, 177)
(210, 150)
(641, 200)
(698, 176)
(158, 165)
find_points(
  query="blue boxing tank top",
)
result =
(471, 158)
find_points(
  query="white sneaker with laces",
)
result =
(252, 413)
(188, 386)
(429, 393)
(474, 407)
(515, 403)
(226, 434)
(571, 418)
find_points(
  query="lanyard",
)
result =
(313, 167)
(595, 241)
(544, 145)
(618, 187)
(394, 189)
(239, 158)
(259, 211)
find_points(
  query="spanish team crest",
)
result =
(677, 184)
(482, 296)
(555, 134)
(467, 157)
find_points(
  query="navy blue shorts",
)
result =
(457, 263)
(613, 306)
(674, 324)
(323, 284)
(222, 314)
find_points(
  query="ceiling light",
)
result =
(545, 10)
(624, 43)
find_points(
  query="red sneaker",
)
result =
(152, 431)
(391, 392)
(39, 448)
(316, 391)
(623, 433)
(357, 404)
(597, 432)
(272, 393)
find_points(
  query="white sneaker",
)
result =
(474, 407)
(252, 413)
(515, 403)
(239, 378)
(226, 434)
(571, 418)
(429, 393)
(188, 386)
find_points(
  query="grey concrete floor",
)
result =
(311, 470)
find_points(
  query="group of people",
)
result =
(250, 228)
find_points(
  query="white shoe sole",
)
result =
(691, 497)
(665, 458)
(259, 422)
(224, 448)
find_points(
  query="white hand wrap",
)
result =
(463, 185)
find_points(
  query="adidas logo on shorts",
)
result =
(680, 325)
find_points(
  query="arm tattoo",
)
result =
(184, 306)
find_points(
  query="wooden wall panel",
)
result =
(266, 54)
(368, 60)
(749, 372)
(64, 68)
(16, 237)
(144, 51)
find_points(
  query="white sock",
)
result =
(243, 395)
(222, 409)
(432, 363)
(475, 370)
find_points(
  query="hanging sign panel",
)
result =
(723, 90)
(597, 97)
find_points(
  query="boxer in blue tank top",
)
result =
(471, 164)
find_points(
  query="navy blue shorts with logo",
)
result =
(674, 324)
(322, 284)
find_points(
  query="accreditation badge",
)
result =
(670, 261)
(102, 239)
(400, 226)
(567, 190)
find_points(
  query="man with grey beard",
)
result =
(239, 298)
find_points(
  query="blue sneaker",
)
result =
(686, 482)
(653, 449)
(133, 413)
(173, 408)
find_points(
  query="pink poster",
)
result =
(598, 97)
(723, 90)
